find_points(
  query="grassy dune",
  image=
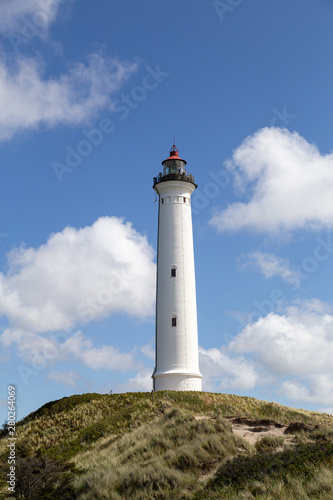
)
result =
(179, 445)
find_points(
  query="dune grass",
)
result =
(69, 426)
(319, 487)
(162, 458)
(178, 445)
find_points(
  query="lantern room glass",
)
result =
(173, 167)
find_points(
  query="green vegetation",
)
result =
(44, 479)
(269, 443)
(180, 445)
(165, 455)
(303, 461)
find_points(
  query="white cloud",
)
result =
(149, 351)
(326, 410)
(270, 265)
(288, 182)
(97, 358)
(20, 15)
(142, 381)
(45, 350)
(66, 378)
(318, 388)
(294, 351)
(224, 372)
(27, 101)
(78, 276)
(297, 343)
(34, 348)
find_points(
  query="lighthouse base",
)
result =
(177, 382)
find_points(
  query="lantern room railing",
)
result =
(181, 176)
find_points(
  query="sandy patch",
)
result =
(253, 430)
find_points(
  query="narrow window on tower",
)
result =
(173, 272)
(174, 321)
(184, 200)
(162, 201)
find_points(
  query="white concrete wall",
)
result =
(177, 363)
(177, 383)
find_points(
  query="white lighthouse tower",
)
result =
(177, 359)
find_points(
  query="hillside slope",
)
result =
(178, 445)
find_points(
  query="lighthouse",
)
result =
(176, 343)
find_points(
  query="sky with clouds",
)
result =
(90, 97)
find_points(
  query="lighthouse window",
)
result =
(184, 200)
(162, 201)
(173, 321)
(173, 272)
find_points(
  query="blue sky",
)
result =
(91, 94)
